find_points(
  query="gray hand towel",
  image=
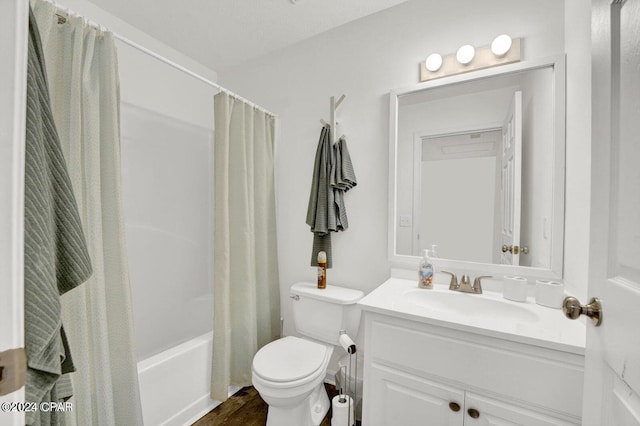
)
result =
(342, 175)
(342, 179)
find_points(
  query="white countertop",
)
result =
(549, 328)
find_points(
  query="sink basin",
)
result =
(488, 314)
(470, 306)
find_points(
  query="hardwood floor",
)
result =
(246, 408)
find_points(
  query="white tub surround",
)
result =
(446, 357)
(174, 384)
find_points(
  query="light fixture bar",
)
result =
(484, 58)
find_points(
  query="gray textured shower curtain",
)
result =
(83, 76)
(246, 283)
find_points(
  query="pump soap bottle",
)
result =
(426, 270)
(322, 270)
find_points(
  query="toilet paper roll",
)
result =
(515, 288)
(549, 293)
(347, 343)
(342, 411)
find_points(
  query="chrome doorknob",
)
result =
(515, 249)
(572, 309)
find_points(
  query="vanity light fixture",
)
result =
(433, 62)
(501, 45)
(503, 50)
(465, 54)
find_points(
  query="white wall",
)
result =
(364, 60)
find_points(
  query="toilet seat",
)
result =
(291, 359)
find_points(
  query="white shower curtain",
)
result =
(83, 79)
(246, 284)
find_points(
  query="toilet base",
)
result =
(309, 412)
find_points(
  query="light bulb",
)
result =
(501, 45)
(433, 62)
(465, 54)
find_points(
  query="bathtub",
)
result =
(174, 384)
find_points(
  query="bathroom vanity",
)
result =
(440, 357)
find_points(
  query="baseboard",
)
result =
(202, 411)
(197, 415)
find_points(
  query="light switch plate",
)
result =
(405, 220)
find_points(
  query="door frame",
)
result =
(13, 71)
(514, 113)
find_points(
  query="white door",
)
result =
(511, 181)
(13, 45)
(612, 370)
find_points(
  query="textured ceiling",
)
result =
(224, 33)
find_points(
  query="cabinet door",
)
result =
(482, 411)
(398, 398)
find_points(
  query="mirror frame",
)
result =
(558, 67)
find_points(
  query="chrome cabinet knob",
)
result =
(573, 309)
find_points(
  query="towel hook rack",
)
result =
(333, 106)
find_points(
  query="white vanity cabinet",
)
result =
(419, 373)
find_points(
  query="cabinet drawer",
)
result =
(496, 413)
(527, 374)
(396, 398)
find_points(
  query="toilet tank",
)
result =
(322, 313)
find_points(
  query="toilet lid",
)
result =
(289, 359)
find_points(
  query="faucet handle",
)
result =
(453, 284)
(477, 284)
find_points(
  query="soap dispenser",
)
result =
(426, 271)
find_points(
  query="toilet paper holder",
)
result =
(343, 397)
(346, 342)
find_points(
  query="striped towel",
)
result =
(343, 178)
(333, 175)
(55, 254)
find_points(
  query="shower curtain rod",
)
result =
(159, 57)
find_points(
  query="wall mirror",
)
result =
(477, 168)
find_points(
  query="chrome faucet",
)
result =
(453, 284)
(464, 285)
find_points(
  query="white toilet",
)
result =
(289, 373)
